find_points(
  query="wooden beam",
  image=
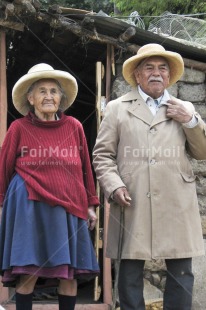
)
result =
(67, 24)
(23, 7)
(11, 25)
(128, 34)
(20, 2)
(72, 26)
(108, 74)
(3, 87)
(54, 9)
(9, 11)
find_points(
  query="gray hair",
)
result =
(33, 85)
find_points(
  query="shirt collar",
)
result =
(161, 100)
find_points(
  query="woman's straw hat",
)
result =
(174, 60)
(43, 71)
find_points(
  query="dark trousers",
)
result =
(178, 290)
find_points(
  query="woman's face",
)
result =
(45, 97)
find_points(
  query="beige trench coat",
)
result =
(147, 154)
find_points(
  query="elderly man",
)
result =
(141, 162)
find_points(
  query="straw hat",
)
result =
(174, 60)
(38, 72)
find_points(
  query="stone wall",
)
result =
(191, 87)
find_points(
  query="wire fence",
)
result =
(180, 27)
(177, 27)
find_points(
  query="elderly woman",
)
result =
(47, 191)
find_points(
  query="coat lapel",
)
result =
(138, 107)
(160, 116)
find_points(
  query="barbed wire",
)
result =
(180, 27)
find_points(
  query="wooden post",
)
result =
(4, 293)
(3, 87)
(107, 279)
(108, 74)
(97, 288)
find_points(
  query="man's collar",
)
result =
(162, 99)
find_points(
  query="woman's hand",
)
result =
(92, 218)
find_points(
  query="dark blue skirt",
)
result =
(41, 240)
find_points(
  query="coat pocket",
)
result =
(189, 178)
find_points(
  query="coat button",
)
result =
(152, 161)
(152, 130)
(148, 194)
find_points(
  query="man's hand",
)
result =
(92, 218)
(121, 196)
(180, 111)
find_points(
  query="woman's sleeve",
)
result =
(87, 172)
(8, 154)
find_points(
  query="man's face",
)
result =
(153, 75)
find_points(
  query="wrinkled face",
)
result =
(153, 76)
(45, 96)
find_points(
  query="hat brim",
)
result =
(174, 60)
(20, 89)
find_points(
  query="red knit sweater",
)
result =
(52, 157)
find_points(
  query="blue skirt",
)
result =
(41, 240)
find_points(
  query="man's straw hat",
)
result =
(174, 60)
(43, 71)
